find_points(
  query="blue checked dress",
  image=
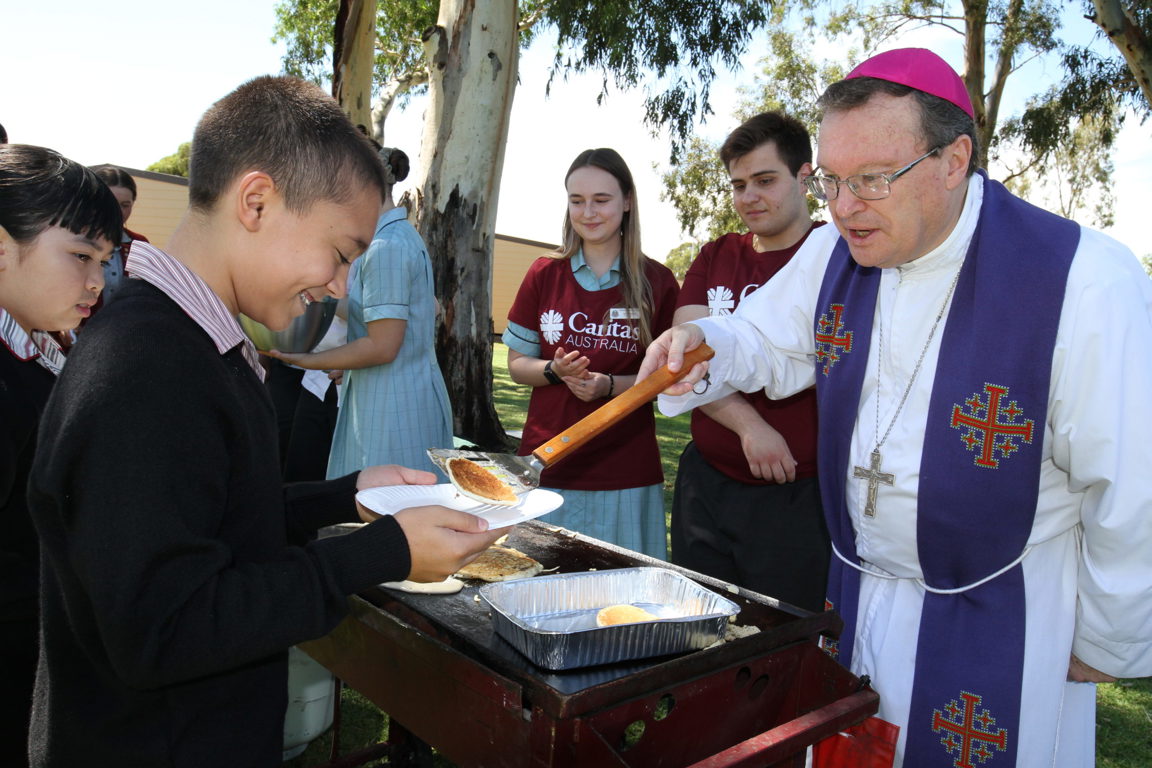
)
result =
(392, 413)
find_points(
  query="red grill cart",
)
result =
(435, 665)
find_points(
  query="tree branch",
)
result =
(1117, 23)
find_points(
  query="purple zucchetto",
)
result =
(918, 68)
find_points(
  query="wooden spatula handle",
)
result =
(617, 408)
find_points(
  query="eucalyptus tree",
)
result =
(465, 53)
(1058, 146)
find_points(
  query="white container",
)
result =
(311, 700)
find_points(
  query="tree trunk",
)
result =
(389, 93)
(1009, 43)
(975, 22)
(473, 56)
(354, 55)
(1129, 39)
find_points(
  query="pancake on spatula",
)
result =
(479, 483)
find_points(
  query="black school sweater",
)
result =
(24, 389)
(176, 568)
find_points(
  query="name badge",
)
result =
(624, 313)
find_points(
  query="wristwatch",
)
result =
(549, 374)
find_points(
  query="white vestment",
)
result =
(1088, 566)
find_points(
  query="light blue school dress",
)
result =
(392, 413)
(632, 518)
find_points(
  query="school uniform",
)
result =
(612, 486)
(28, 368)
(177, 569)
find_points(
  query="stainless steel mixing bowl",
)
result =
(301, 335)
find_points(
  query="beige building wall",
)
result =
(510, 261)
(161, 200)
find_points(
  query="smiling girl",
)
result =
(58, 222)
(576, 334)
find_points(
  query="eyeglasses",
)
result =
(866, 186)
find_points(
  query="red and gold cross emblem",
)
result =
(992, 425)
(830, 342)
(968, 735)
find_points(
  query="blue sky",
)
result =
(127, 87)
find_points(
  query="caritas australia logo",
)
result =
(617, 332)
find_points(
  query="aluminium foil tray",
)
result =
(552, 619)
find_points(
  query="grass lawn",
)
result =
(1124, 709)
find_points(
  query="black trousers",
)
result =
(305, 423)
(771, 539)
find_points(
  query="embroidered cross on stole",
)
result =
(979, 478)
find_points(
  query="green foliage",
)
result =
(1077, 174)
(678, 41)
(1146, 260)
(1092, 86)
(307, 26)
(176, 163)
(698, 186)
(1060, 145)
(681, 257)
(699, 189)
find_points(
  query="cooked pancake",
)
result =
(623, 614)
(479, 483)
(500, 564)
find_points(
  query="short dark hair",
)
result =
(40, 188)
(291, 130)
(3, 135)
(791, 138)
(941, 121)
(115, 176)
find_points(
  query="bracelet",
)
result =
(550, 374)
(611, 385)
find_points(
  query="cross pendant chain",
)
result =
(874, 477)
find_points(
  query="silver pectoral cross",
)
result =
(874, 477)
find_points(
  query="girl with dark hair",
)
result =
(576, 334)
(58, 222)
(123, 186)
(394, 405)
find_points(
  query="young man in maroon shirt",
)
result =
(747, 505)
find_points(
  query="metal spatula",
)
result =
(523, 472)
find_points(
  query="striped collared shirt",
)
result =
(192, 295)
(23, 346)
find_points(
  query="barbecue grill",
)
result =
(437, 667)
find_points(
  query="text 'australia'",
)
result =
(615, 335)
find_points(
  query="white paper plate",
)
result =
(390, 499)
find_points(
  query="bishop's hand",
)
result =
(668, 349)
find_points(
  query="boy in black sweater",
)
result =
(177, 570)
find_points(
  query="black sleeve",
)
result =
(310, 506)
(166, 540)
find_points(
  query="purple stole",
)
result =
(979, 473)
